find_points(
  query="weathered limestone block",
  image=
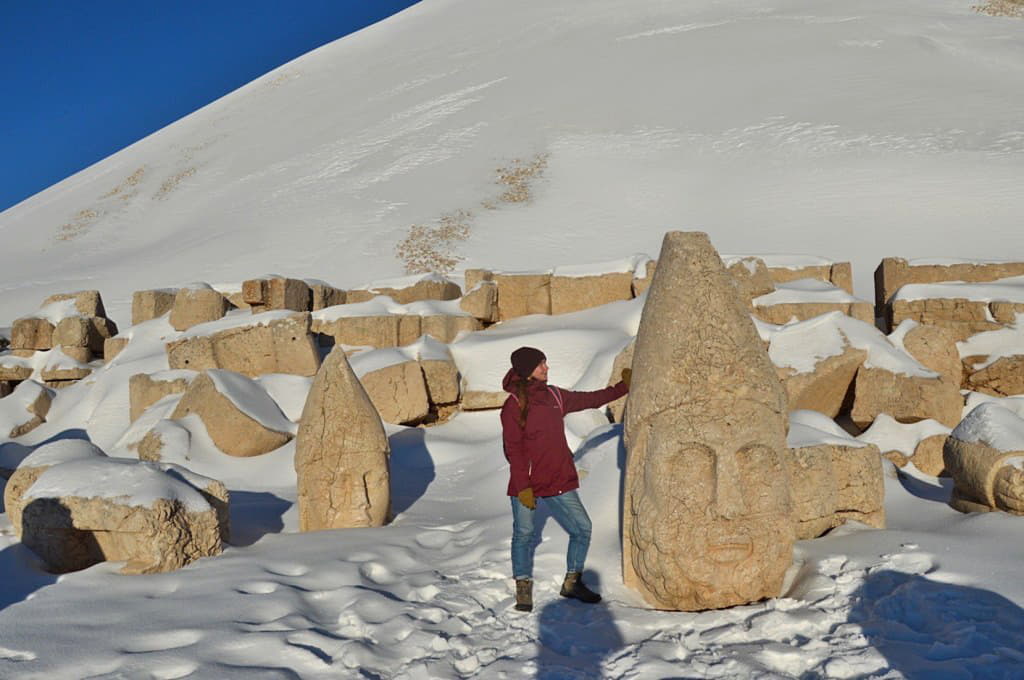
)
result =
(896, 272)
(94, 523)
(784, 312)
(934, 347)
(1005, 312)
(573, 293)
(234, 431)
(482, 302)
(430, 288)
(398, 392)
(961, 316)
(641, 284)
(384, 330)
(84, 331)
(25, 408)
(151, 304)
(1002, 378)
(341, 453)
(32, 333)
(82, 355)
(473, 277)
(860, 485)
(275, 345)
(908, 399)
(980, 461)
(707, 517)
(277, 293)
(87, 302)
(752, 278)
(145, 389)
(928, 455)
(197, 304)
(444, 327)
(324, 295)
(13, 370)
(522, 294)
(114, 346)
(825, 388)
(839, 274)
(442, 380)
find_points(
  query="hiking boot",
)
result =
(573, 587)
(524, 595)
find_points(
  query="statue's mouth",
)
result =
(732, 549)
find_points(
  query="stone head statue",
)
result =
(707, 521)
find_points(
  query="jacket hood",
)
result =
(508, 383)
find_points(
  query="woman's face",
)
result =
(541, 372)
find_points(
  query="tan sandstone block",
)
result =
(573, 293)
(934, 347)
(825, 388)
(480, 400)
(1005, 312)
(13, 372)
(398, 392)
(482, 302)
(523, 294)
(442, 380)
(927, 455)
(196, 305)
(325, 295)
(1004, 377)
(752, 278)
(784, 312)
(707, 517)
(341, 453)
(32, 333)
(151, 304)
(908, 399)
(427, 289)
(895, 272)
(277, 293)
(114, 346)
(365, 331)
(87, 302)
(233, 431)
(144, 390)
(444, 327)
(89, 332)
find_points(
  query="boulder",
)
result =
(89, 332)
(641, 284)
(197, 304)
(1002, 378)
(251, 426)
(907, 398)
(934, 348)
(481, 302)
(151, 304)
(341, 453)
(573, 293)
(980, 455)
(277, 293)
(442, 380)
(268, 344)
(86, 511)
(86, 302)
(144, 389)
(32, 333)
(823, 389)
(707, 517)
(114, 346)
(324, 295)
(522, 294)
(25, 408)
(398, 392)
(445, 327)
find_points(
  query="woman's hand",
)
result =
(627, 375)
(526, 498)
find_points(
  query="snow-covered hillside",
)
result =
(849, 130)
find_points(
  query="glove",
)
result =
(526, 498)
(627, 375)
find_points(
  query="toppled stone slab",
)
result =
(707, 517)
(152, 304)
(86, 302)
(983, 456)
(270, 293)
(196, 304)
(241, 419)
(144, 389)
(573, 293)
(25, 408)
(88, 332)
(807, 298)
(895, 272)
(907, 398)
(442, 381)
(114, 346)
(341, 453)
(384, 330)
(825, 388)
(398, 392)
(274, 342)
(962, 317)
(324, 295)
(32, 333)
(446, 327)
(523, 294)
(60, 369)
(481, 302)
(933, 346)
(1002, 378)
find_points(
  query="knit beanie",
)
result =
(525, 359)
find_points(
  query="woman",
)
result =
(541, 466)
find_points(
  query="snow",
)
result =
(630, 265)
(14, 408)
(134, 483)
(994, 345)
(62, 451)
(847, 132)
(993, 425)
(57, 310)
(804, 291)
(383, 305)
(888, 434)
(810, 428)
(251, 399)
(426, 347)
(1004, 290)
(975, 399)
(238, 318)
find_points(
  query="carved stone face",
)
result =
(724, 533)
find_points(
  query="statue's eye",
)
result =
(762, 478)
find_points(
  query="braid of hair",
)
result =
(524, 400)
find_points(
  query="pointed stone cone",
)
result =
(341, 453)
(707, 517)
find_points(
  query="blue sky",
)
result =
(82, 79)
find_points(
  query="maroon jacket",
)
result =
(538, 455)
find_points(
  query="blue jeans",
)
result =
(568, 510)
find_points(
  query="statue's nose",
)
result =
(729, 502)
